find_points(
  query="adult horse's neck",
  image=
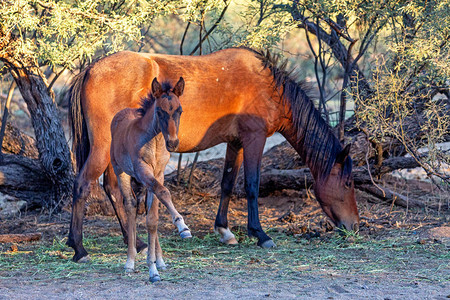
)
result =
(304, 128)
(307, 131)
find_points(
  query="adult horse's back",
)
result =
(237, 96)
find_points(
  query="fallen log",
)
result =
(391, 197)
(274, 179)
(22, 177)
(21, 237)
(17, 142)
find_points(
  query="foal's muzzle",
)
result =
(172, 145)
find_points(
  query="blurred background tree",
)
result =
(381, 68)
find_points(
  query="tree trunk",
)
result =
(54, 153)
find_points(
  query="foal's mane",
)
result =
(148, 101)
(316, 143)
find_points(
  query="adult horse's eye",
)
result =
(348, 184)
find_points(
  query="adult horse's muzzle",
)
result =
(172, 145)
(348, 226)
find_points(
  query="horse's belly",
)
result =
(200, 133)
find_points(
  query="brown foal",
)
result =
(140, 145)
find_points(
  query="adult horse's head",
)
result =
(168, 111)
(336, 193)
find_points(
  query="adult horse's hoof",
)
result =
(185, 234)
(226, 236)
(268, 244)
(80, 255)
(231, 241)
(155, 278)
(84, 259)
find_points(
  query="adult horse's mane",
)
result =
(148, 101)
(318, 145)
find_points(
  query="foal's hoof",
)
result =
(268, 244)
(143, 251)
(185, 234)
(161, 265)
(141, 247)
(155, 278)
(129, 270)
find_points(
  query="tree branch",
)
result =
(211, 29)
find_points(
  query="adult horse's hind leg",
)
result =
(253, 149)
(81, 191)
(112, 190)
(91, 171)
(233, 161)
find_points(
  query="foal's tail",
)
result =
(80, 138)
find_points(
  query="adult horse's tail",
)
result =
(80, 138)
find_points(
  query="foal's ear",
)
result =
(179, 87)
(342, 156)
(156, 88)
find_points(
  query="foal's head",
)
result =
(168, 111)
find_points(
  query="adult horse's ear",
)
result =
(179, 87)
(156, 88)
(342, 156)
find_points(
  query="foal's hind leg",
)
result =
(112, 189)
(154, 255)
(160, 264)
(233, 161)
(131, 209)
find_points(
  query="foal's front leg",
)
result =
(163, 194)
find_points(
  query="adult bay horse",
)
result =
(237, 96)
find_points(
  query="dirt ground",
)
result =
(399, 254)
